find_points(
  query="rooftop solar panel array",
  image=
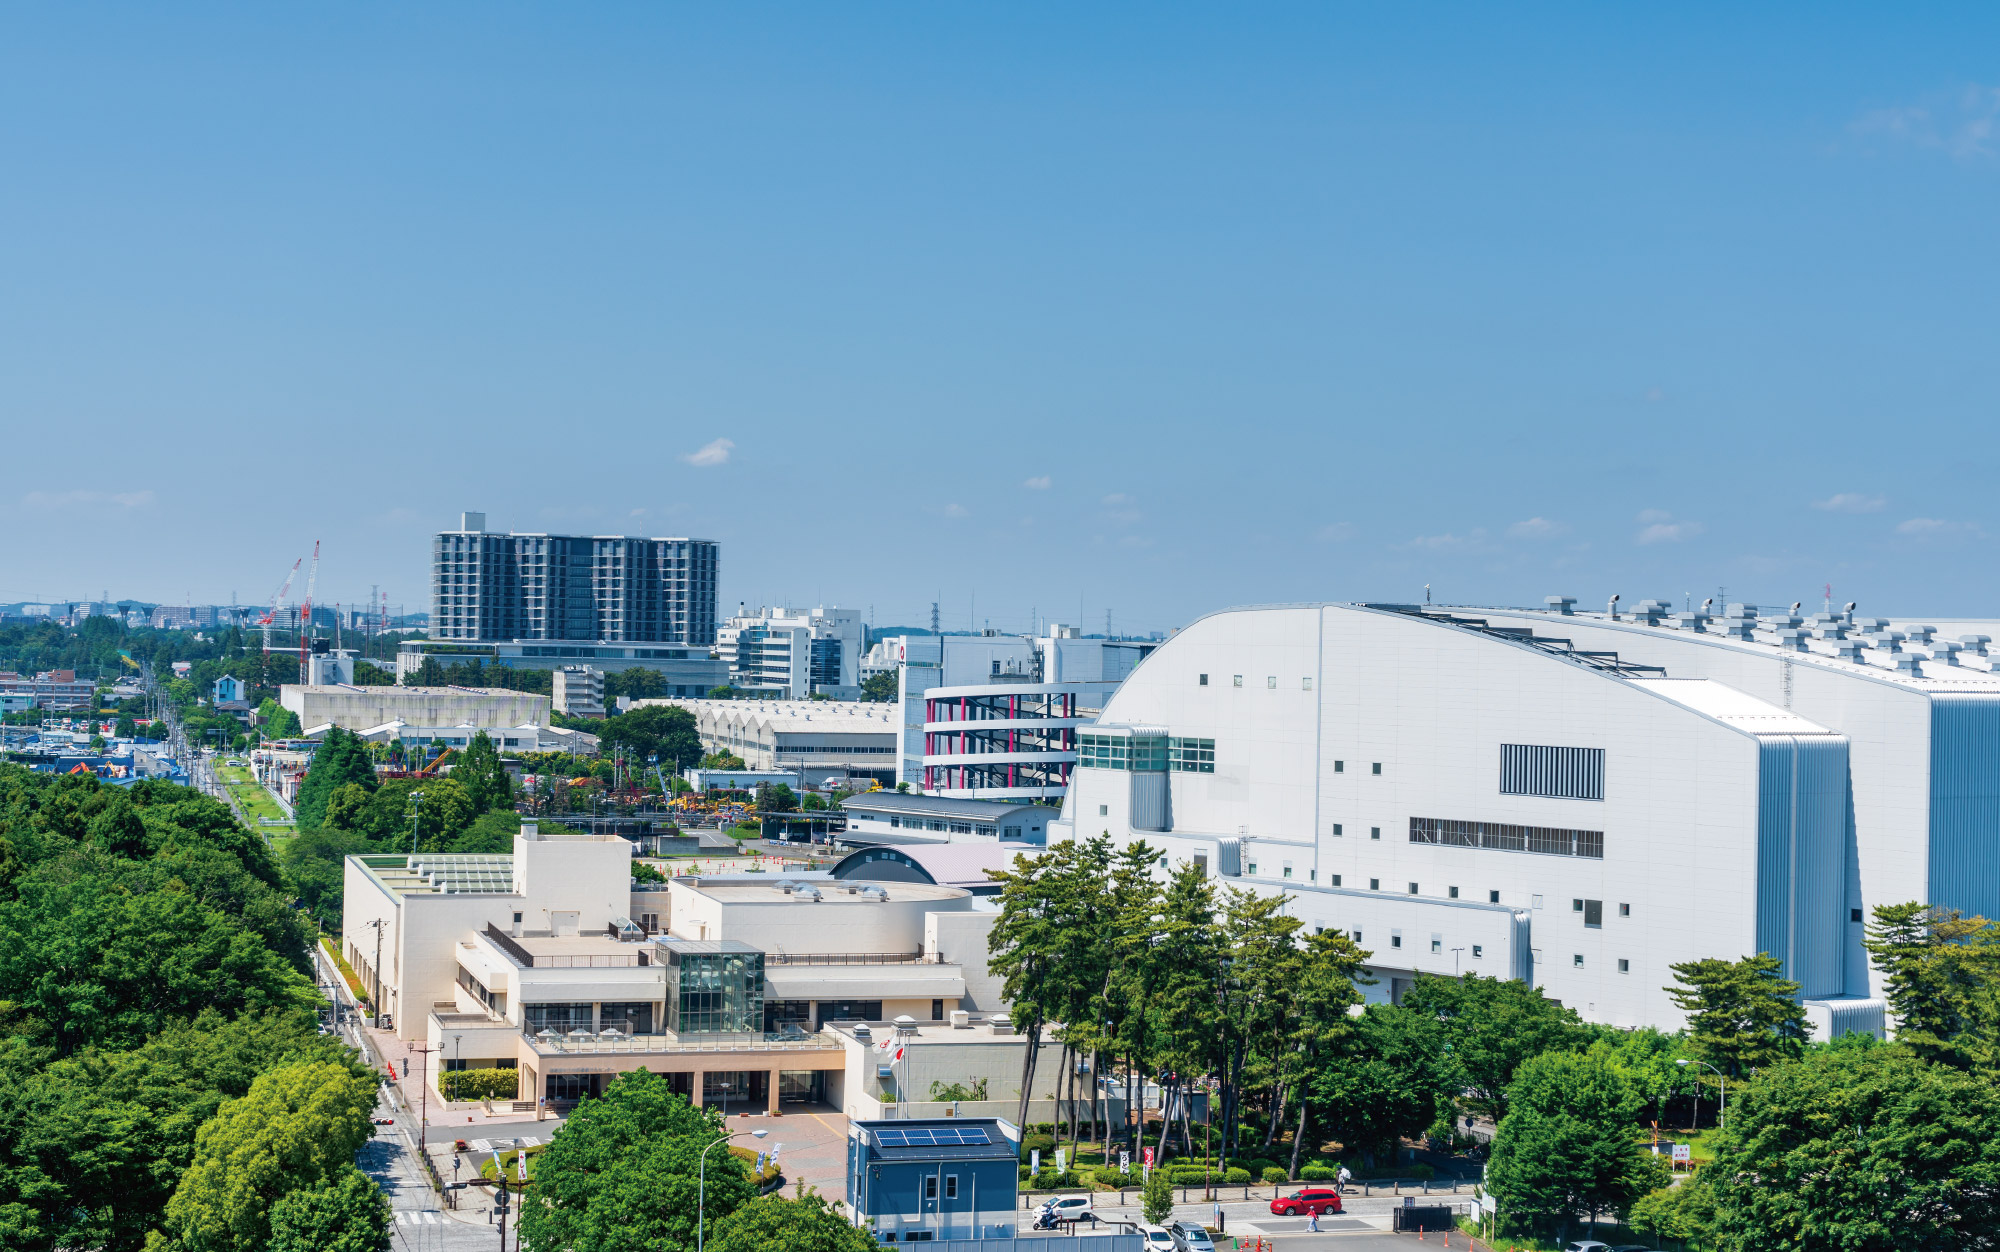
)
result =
(465, 872)
(931, 1137)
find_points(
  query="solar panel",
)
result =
(931, 1137)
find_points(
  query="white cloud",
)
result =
(1122, 509)
(714, 452)
(956, 510)
(86, 499)
(1850, 502)
(1648, 516)
(1473, 540)
(1336, 532)
(1117, 498)
(1536, 528)
(1134, 541)
(1039, 482)
(1670, 532)
(1935, 528)
(1960, 125)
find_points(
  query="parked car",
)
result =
(1307, 1200)
(1157, 1238)
(1064, 1208)
(1189, 1237)
(1588, 1245)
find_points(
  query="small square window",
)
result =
(1395, 941)
(1374, 884)
(1624, 966)
(1271, 682)
(1340, 767)
(1624, 910)
(1253, 869)
(1104, 810)
(1312, 875)
(1288, 871)
(1854, 915)
(1478, 950)
(1357, 936)
(1452, 892)
(1577, 960)
(1337, 832)
(951, 1186)
(1413, 888)
(1437, 946)
(1493, 897)
(1308, 684)
(1537, 901)
(1238, 679)
(930, 1187)
(1333, 880)
(1576, 906)
(1376, 768)
(1204, 680)
(1374, 832)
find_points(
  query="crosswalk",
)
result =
(504, 1145)
(428, 1217)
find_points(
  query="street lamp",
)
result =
(1724, 1106)
(701, 1184)
(416, 816)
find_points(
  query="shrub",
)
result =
(1189, 1175)
(480, 1084)
(1236, 1175)
(1120, 1178)
(1034, 1143)
(1276, 1174)
(1050, 1180)
(1318, 1173)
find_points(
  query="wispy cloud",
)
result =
(1935, 528)
(714, 452)
(1659, 526)
(1474, 540)
(1335, 532)
(1039, 482)
(956, 510)
(1959, 124)
(1535, 528)
(87, 499)
(1122, 509)
(1851, 502)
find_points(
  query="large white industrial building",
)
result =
(1581, 800)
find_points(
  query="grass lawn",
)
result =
(248, 794)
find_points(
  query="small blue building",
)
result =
(230, 690)
(949, 1180)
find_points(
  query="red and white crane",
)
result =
(305, 618)
(278, 602)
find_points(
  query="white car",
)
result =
(1157, 1238)
(1067, 1208)
(1588, 1245)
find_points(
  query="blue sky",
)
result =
(1040, 309)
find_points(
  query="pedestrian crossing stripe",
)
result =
(428, 1217)
(482, 1145)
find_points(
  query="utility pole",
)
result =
(424, 1095)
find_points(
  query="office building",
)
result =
(687, 672)
(360, 708)
(1580, 800)
(822, 742)
(885, 817)
(579, 691)
(793, 654)
(488, 587)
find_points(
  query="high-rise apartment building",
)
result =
(488, 587)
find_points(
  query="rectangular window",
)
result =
(1374, 884)
(1253, 869)
(1191, 756)
(1504, 837)
(1340, 767)
(1395, 938)
(1376, 768)
(1357, 936)
(1201, 861)
(1238, 679)
(1413, 888)
(1374, 832)
(1478, 950)
(1104, 810)
(1624, 966)
(1854, 915)
(1271, 682)
(1452, 892)
(1577, 960)
(1493, 897)
(1333, 880)
(1288, 869)
(951, 1186)
(1308, 684)
(1204, 680)
(1559, 773)
(1437, 945)
(1337, 832)
(930, 1186)
(1593, 913)
(1624, 910)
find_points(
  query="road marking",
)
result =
(529, 1141)
(482, 1145)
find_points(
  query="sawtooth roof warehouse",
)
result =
(1580, 800)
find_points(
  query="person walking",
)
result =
(1345, 1178)
(1312, 1220)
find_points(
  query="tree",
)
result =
(1389, 1078)
(1939, 971)
(723, 759)
(278, 721)
(298, 1128)
(127, 728)
(644, 872)
(621, 1175)
(479, 771)
(1330, 976)
(663, 731)
(1158, 1196)
(1494, 1024)
(776, 798)
(447, 809)
(340, 760)
(880, 688)
(1568, 1148)
(805, 1224)
(1684, 1214)
(1741, 1014)
(724, 692)
(347, 1213)
(1863, 1147)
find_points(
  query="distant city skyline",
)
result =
(1037, 313)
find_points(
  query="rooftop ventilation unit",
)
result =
(1565, 605)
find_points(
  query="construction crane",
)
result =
(305, 618)
(278, 601)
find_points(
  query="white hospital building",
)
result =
(1576, 799)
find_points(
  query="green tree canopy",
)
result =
(805, 1224)
(1568, 1149)
(1940, 971)
(1862, 1147)
(1390, 1077)
(724, 759)
(1494, 1024)
(621, 1175)
(1741, 1014)
(667, 732)
(880, 688)
(340, 760)
(479, 771)
(346, 1213)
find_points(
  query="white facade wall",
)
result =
(1432, 705)
(358, 708)
(838, 922)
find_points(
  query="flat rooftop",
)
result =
(440, 873)
(828, 891)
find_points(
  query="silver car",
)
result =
(1188, 1237)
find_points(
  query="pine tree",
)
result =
(1741, 1014)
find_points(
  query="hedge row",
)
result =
(480, 1084)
